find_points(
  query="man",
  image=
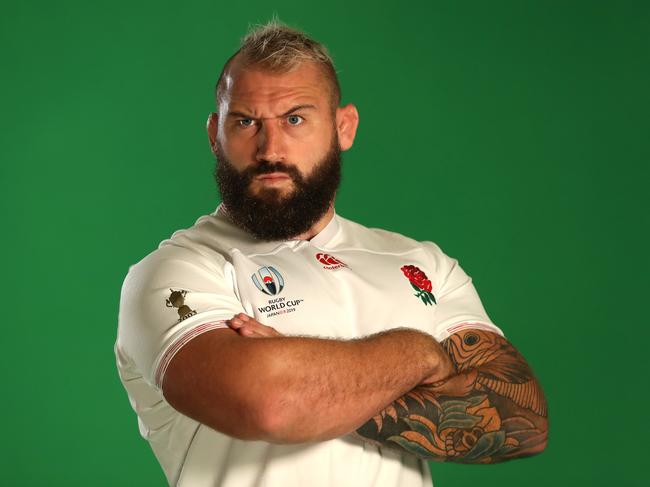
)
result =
(277, 343)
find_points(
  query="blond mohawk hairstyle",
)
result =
(279, 48)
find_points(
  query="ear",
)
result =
(211, 126)
(347, 121)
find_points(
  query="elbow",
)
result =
(530, 443)
(272, 427)
(247, 418)
(276, 421)
(529, 451)
(529, 437)
(280, 412)
(286, 416)
(543, 441)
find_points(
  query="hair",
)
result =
(279, 48)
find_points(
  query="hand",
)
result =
(249, 327)
(459, 385)
(444, 370)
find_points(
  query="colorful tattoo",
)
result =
(492, 410)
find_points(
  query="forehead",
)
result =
(256, 89)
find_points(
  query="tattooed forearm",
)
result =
(492, 410)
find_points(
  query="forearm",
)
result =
(491, 410)
(327, 388)
(295, 389)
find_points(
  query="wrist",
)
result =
(430, 357)
(440, 365)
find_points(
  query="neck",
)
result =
(318, 226)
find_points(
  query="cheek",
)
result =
(310, 144)
(239, 150)
(306, 156)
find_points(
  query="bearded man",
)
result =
(277, 343)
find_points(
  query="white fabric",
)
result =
(361, 291)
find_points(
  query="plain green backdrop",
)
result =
(512, 133)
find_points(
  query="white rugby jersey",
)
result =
(348, 281)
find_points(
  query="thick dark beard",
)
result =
(270, 216)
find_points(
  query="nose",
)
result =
(270, 142)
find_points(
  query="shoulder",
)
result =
(211, 233)
(202, 247)
(381, 240)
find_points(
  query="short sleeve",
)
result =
(458, 304)
(171, 296)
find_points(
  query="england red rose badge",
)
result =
(420, 283)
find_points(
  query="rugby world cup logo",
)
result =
(268, 280)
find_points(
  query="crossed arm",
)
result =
(492, 409)
(470, 399)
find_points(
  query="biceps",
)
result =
(498, 367)
(476, 348)
(207, 381)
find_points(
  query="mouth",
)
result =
(272, 177)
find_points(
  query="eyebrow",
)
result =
(288, 112)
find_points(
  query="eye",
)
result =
(245, 122)
(295, 119)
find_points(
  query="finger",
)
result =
(235, 323)
(273, 332)
(458, 385)
(238, 320)
(248, 320)
(261, 330)
(268, 331)
(258, 330)
(250, 332)
(255, 328)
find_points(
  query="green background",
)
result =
(510, 133)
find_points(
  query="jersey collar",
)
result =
(326, 234)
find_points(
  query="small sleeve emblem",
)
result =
(177, 300)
